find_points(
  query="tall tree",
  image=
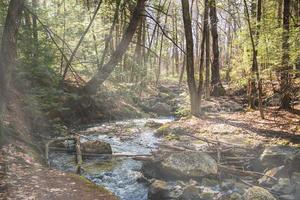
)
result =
(285, 79)
(255, 71)
(8, 48)
(217, 87)
(195, 92)
(108, 68)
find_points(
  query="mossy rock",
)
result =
(95, 168)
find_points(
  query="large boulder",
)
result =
(181, 165)
(189, 165)
(258, 193)
(277, 155)
(96, 147)
(161, 109)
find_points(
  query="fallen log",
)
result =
(52, 141)
(242, 172)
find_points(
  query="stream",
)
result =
(118, 175)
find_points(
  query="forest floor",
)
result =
(27, 178)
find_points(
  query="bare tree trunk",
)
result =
(8, 49)
(35, 31)
(107, 69)
(217, 87)
(207, 63)
(194, 94)
(285, 79)
(255, 71)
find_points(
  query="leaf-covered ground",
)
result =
(26, 179)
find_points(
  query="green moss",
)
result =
(171, 137)
(95, 168)
(163, 130)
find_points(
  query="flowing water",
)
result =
(119, 175)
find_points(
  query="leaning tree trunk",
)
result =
(108, 68)
(285, 79)
(8, 48)
(217, 87)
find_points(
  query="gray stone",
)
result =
(284, 186)
(96, 147)
(161, 109)
(189, 165)
(258, 193)
(277, 155)
(190, 193)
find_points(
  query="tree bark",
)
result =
(194, 95)
(108, 68)
(217, 87)
(285, 79)
(8, 49)
(68, 64)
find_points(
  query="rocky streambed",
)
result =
(182, 168)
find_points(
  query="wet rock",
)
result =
(275, 172)
(258, 193)
(190, 193)
(189, 165)
(158, 190)
(96, 147)
(277, 155)
(152, 169)
(161, 109)
(284, 186)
